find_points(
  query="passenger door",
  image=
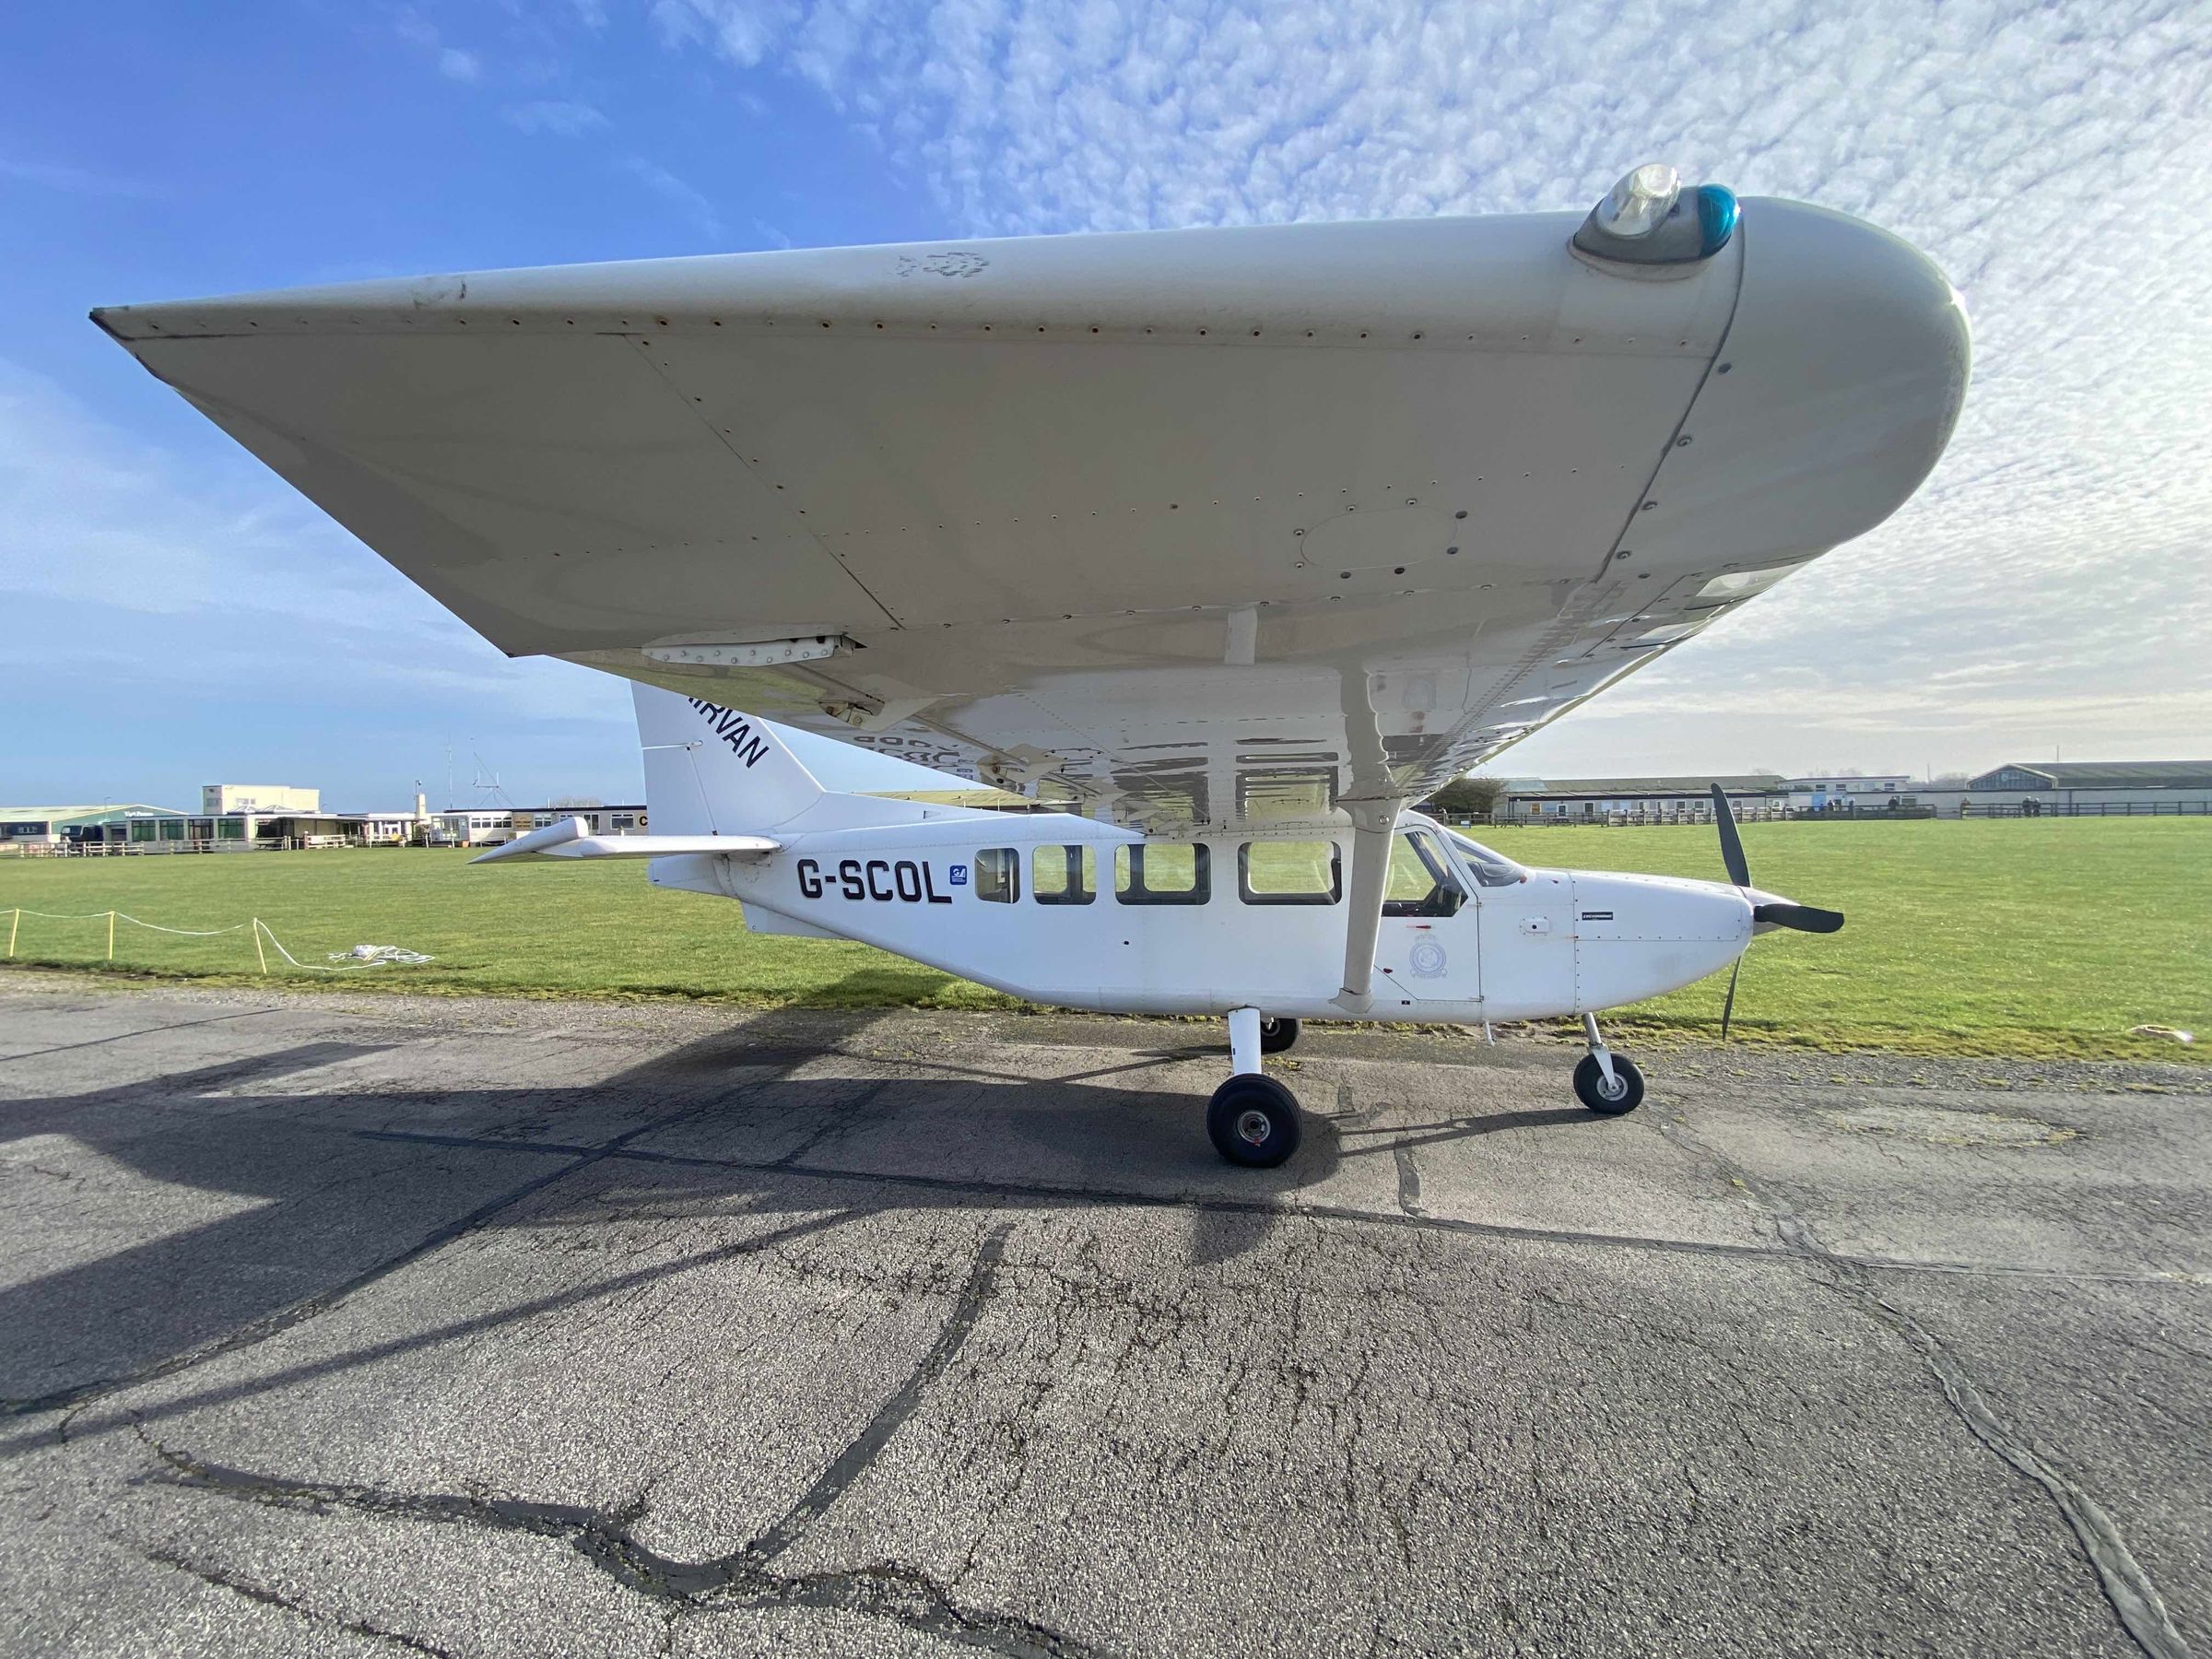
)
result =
(1427, 949)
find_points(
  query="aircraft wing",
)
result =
(1187, 529)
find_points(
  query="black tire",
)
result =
(1277, 1035)
(1253, 1121)
(1590, 1085)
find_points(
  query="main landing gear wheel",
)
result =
(1625, 1095)
(1253, 1121)
(1276, 1035)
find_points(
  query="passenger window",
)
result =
(1299, 872)
(1064, 875)
(1162, 873)
(1421, 883)
(998, 876)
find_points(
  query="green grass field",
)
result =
(2032, 937)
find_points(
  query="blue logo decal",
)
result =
(960, 875)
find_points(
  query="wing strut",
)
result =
(1374, 823)
(1375, 803)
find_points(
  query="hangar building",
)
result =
(38, 827)
(1640, 800)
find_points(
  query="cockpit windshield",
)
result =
(1490, 869)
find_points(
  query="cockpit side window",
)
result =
(1490, 869)
(1420, 882)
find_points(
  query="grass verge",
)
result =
(2035, 938)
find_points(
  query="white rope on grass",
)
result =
(190, 933)
(341, 961)
(347, 961)
(369, 956)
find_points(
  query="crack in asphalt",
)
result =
(1290, 1210)
(1409, 1181)
(2127, 1588)
(856, 1457)
(746, 1577)
(575, 1296)
(322, 1301)
(271, 1598)
(62, 1047)
(837, 1123)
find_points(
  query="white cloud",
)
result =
(683, 198)
(740, 30)
(450, 61)
(564, 116)
(54, 175)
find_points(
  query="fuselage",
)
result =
(1202, 926)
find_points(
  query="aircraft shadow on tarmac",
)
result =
(723, 1122)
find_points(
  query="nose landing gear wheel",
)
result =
(1253, 1121)
(1625, 1094)
(1276, 1035)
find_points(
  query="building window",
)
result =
(1064, 875)
(1292, 872)
(1162, 873)
(998, 875)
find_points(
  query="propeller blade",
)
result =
(1805, 918)
(1728, 1008)
(1732, 844)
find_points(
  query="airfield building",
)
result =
(2086, 788)
(490, 825)
(38, 828)
(1843, 791)
(219, 798)
(1638, 800)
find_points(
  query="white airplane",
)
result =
(1227, 543)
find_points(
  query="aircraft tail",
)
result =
(712, 771)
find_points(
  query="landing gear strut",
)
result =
(1607, 1083)
(1252, 1120)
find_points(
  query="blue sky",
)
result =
(172, 614)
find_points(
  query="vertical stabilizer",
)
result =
(712, 771)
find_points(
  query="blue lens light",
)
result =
(1716, 218)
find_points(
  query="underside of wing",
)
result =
(1188, 529)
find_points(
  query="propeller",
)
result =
(1775, 912)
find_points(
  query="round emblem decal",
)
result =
(1428, 958)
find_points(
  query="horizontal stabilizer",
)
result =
(572, 839)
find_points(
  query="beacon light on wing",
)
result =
(1640, 203)
(1649, 219)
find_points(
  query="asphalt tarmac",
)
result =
(357, 1324)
